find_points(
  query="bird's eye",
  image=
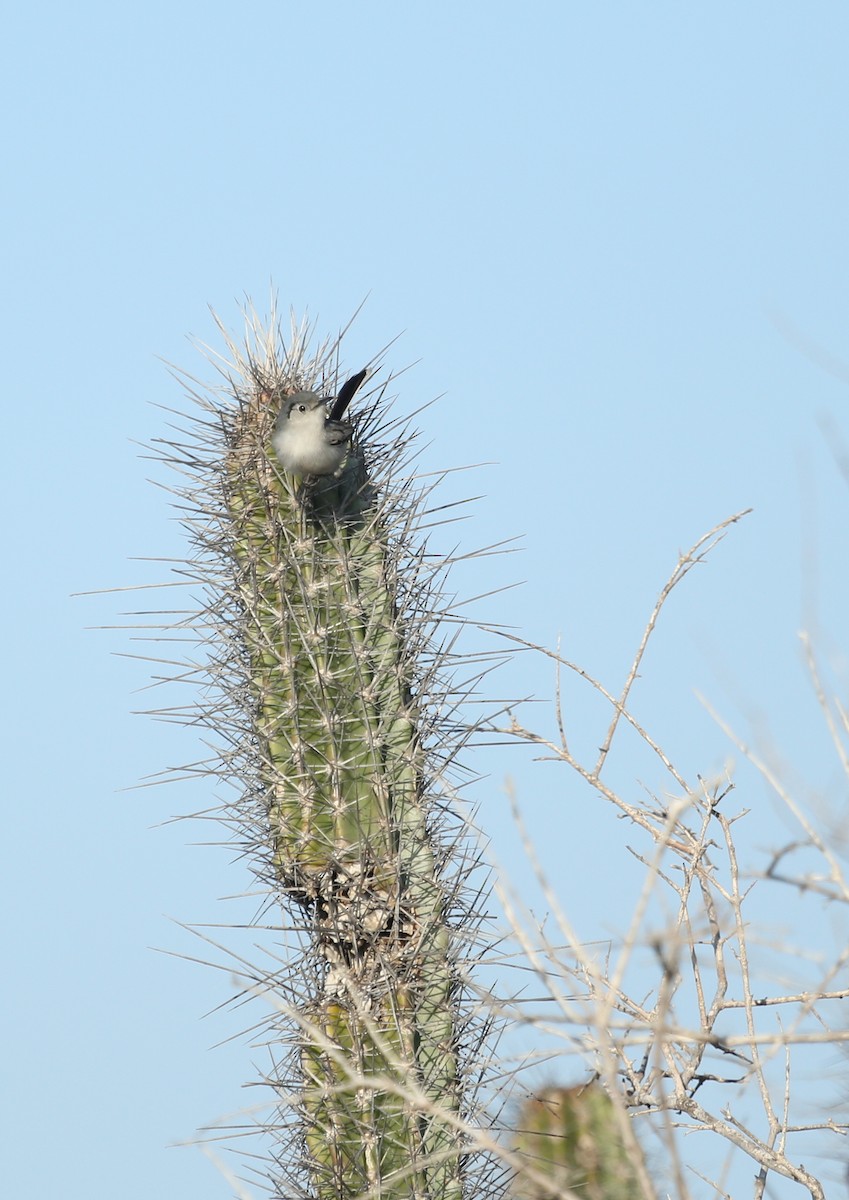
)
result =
(302, 408)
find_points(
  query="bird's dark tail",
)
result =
(346, 394)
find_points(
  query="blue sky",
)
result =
(613, 236)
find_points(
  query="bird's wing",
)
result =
(337, 432)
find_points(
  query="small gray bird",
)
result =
(305, 439)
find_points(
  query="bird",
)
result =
(305, 439)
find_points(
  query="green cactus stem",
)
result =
(571, 1137)
(327, 603)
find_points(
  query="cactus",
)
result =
(571, 1139)
(329, 684)
(322, 613)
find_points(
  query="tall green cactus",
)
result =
(329, 683)
(330, 688)
(344, 775)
